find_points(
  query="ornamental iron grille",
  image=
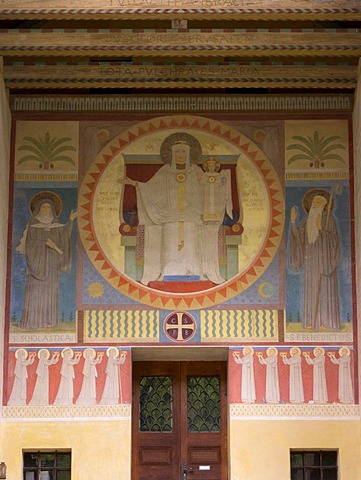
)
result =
(155, 404)
(203, 394)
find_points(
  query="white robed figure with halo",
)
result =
(181, 209)
(88, 392)
(19, 391)
(41, 391)
(65, 394)
(112, 393)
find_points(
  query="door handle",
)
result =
(186, 470)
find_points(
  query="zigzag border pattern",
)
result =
(121, 325)
(178, 11)
(239, 325)
(181, 48)
(182, 301)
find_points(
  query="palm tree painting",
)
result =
(46, 151)
(317, 150)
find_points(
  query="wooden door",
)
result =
(179, 421)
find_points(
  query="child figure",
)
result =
(217, 200)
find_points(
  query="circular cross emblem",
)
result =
(179, 326)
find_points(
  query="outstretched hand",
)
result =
(73, 215)
(128, 181)
(293, 216)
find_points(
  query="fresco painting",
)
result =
(250, 185)
(289, 374)
(43, 263)
(175, 230)
(46, 151)
(65, 376)
(318, 241)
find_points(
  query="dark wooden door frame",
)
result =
(187, 442)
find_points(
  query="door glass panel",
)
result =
(155, 404)
(203, 398)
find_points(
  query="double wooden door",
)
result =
(179, 421)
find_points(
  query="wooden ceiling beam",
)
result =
(182, 9)
(191, 44)
(296, 15)
(180, 76)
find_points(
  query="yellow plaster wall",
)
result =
(100, 449)
(259, 450)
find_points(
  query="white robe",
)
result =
(217, 195)
(41, 391)
(170, 208)
(296, 383)
(19, 390)
(272, 383)
(65, 392)
(319, 379)
(345, 389)
(112, 393)
(88, 392)
(248, 389)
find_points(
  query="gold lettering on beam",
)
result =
(82, 40)
(180, 72)
(179, 4)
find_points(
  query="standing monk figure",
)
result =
(46, 244)
(314, 245)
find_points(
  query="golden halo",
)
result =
(21, 350)
(318, 349)
(44, 350)
(89, 350)
(46, 195)
(213, 159)
(113, 348)
(270, 350)
(195, 149)
(248, 349)
(344, 349)
(308, 197)
(295, 351)
(70, 350)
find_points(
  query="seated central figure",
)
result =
(170, 207)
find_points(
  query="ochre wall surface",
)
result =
(100, 449)
(260, 449)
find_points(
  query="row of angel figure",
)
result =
(294, 361)
(112, 392)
